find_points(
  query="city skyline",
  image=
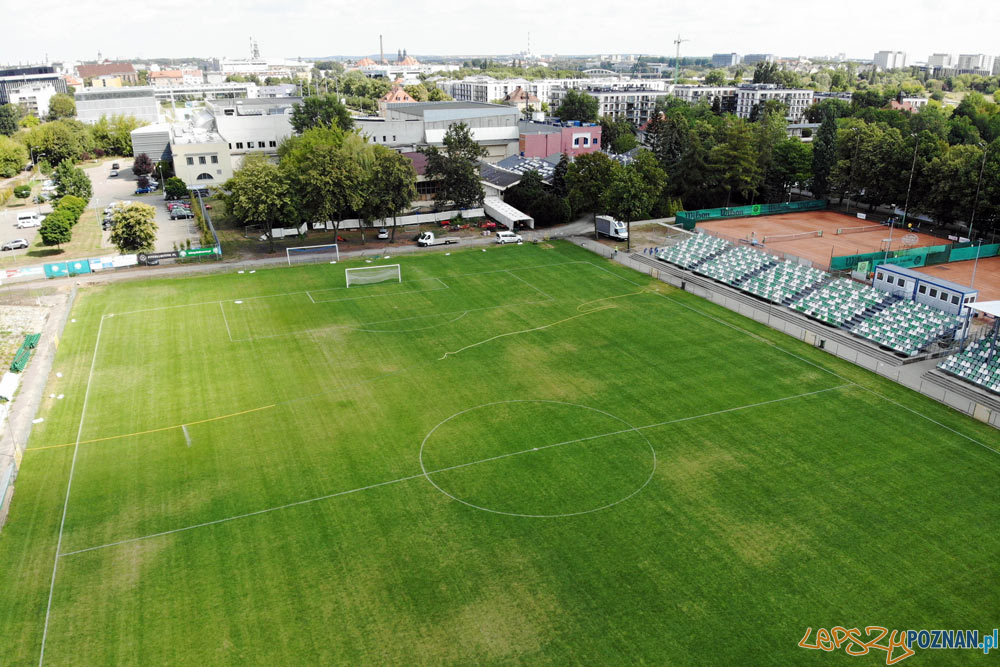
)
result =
(78, 31)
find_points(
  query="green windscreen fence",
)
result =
(969, 252)
(911, 257)
(688, 219)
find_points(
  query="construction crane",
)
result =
(677, 59)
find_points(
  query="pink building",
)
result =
(544, 139)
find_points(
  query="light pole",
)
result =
(913, 168)
(975, 201)
(972, 282)
(857, 145)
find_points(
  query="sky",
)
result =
(79, 29)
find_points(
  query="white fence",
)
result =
(402, 220)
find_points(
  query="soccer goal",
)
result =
(313, 253)
(373, 274)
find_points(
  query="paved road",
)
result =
(8, 231)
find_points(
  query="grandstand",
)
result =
(693, 251)
(784, 282)
(736, 266)
(908, 326)
(902, 325)
(975, 365)
(840, 301)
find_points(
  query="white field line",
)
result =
(448, 468)
(813, 364)
(274, 296)
(224, 319)
(376, 296)
(514, 275)
(69, 486)
(514, 333)
(355, 327)
(187, 436)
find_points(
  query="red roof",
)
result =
(397, 94)
(419, 161)
(105, 69)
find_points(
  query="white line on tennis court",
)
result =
(448, 468)
(69, 485)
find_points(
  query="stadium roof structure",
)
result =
(986, 307)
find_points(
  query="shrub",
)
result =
(22, 191)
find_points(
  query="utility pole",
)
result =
(677, 59)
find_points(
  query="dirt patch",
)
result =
(15, 323)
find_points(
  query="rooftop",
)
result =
(104, 69)
(923, 277)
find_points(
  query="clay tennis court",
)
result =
(987, 275)
(817, 249)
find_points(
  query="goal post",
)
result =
(369, 275)
(313, 253)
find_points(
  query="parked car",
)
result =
(115, 165)
(143, 191)
(180, 214)
(508, 237)
(16, 244)
(114, 172)
(383, 233)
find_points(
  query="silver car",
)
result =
(16, 244)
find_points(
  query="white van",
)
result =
(508, 237)
(28, 220)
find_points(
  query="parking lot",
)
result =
(109, 189)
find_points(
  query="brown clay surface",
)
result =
(817, 249)
(987, 275)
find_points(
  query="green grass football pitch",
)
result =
(523, 455)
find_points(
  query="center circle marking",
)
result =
(629, 429)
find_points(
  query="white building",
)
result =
(253, 126)
(754, 58)
(201, 155)
(633, 103)
(976, 62)
(942, 60)
(796, 101)
(407, 127)
(890, 59)
(33, 97)
(725, 59)
(696, 94)
(138, 101)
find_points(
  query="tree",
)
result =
(56, 229)
(457, 167)
(175, 188)
(550, 210)
(331, 186)
(791, 166)
(717, 77)
(393, 185)
(559, 185)
(9, 117)
(523, 195)
(764, 72)
(259, 194)
(654, 178)
(627, 197)
(320, 111)
(588, 177)
(59, 140)
(114, 135)
(142, 181)
(824, 156)
(618, 135)
(13, 157)
(134, 228)
(22, 191)
(61, 105)
(71, 180)
(736, 159)
(142, 165)
(435, 94)
(578, 105)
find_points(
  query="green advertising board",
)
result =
(199, 252)
(688, 219)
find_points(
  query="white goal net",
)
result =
(313, 253)
(373, 274)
